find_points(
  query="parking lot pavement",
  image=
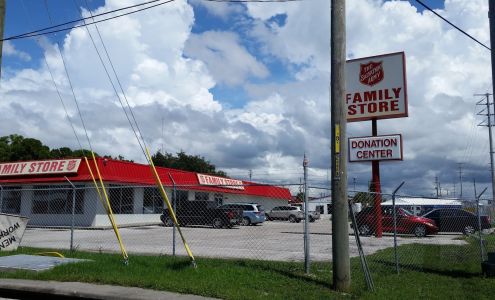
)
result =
(274, 240)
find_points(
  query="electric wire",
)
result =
(111, 82)
(143, 146)
(451, 24)
(53, 80)
(70, 84)
(41, 31)
(254, 1)
(106, 205)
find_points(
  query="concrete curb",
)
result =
(86, 290)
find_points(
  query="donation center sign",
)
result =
(383, 147)
(58, 166)
(376, 87)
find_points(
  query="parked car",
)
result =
(252, 213)
(203, 213)
(292, 213)
(457, 220)
(406, 222)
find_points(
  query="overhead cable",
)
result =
(253, 1)
(451, 24)
(44, 31)
(110, 78)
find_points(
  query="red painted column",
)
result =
(375, 171)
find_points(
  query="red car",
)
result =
(406, 222)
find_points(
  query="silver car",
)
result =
(292, 213)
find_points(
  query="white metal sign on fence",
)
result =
(11, 231)
(383, 147)
(376, 87)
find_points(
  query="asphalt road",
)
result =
(274, 240)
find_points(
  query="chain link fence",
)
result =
(224, 224)
(416, 232)
(268, 227)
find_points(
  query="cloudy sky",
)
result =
(246, 85)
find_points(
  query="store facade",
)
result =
(59, 193)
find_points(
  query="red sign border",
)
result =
(406, 112)
(376, 136)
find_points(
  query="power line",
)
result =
(70, 85)
(253, 1)
(451, 24)
(114, 88)
(44, 32)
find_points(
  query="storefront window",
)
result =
(11, 200)
(218, 199)
(121, 199)
(49, 199)
(201, 196)
(152, 201)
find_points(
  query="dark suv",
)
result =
(406, 222)
(203, 213)
(457, 220)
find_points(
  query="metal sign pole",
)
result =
(375, 171)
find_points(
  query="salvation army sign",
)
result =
(376, 87)
(382, 147)
(58, 166)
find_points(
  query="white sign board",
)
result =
(11, 231)
(382, 147)
(220, 181)
(376, 87)
(58, 166)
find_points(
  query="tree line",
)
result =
(15, 147)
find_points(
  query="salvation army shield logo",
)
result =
(371, 73)
(71, 165)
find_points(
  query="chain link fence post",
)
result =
(1, 199)
(72, 214)
(174, 203)
(306, 217)
(395, 228)
(479, 224)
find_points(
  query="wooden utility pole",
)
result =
(340, 226)
(2, 22)
(491, 17)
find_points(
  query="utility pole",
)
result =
(340, 226)
(436, 185)
(2, 22)
(491, 17)
(489, 125)
(250, 174)
(460, 178)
